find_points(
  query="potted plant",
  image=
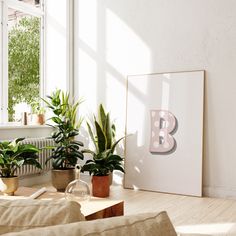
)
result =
(109, 131)
(103, 161)
(38, 113)
(14, 154)
(66, 127)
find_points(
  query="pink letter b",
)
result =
(163, 123)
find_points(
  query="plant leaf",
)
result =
(120, 168)
(101, 117)
(92, 136)
(101, 137)
(88, 151)
(115, 158)
(108, 132)
(114, 144)
(56, 120)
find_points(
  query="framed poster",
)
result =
(164, 128)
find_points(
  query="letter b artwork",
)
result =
(163, 126)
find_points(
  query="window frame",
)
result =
(31, 10)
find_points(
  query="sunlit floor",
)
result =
(190, 215)
(208, 216)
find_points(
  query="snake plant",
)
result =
(104, 160)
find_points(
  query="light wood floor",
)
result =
(204, 216)
(188, 214)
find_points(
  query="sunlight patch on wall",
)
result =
(87, 23)
(126, 51)
(88, 82)
(56, 45)
(118, 178)
(114, 103)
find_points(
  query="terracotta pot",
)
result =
(41, 119)
(38, 119)
(9, 185)
(61, 178)
(101, 186)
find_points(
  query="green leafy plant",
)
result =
(64, 108)
(14, 154)
(104, 161)
(37, 108)
(67, 150)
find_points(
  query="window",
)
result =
(22, 50)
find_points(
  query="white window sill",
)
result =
(13, 131)
(20, 126)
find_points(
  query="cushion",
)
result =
(150, 224)
(18, 215)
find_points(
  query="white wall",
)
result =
(118, 38)
(56, 41)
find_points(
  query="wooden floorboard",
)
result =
(211, 216)
(204, 215)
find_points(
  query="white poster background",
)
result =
(180, 171)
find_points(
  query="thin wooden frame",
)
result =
(198, 83)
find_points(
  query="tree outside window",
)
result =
(23, 63)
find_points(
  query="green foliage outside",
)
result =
(23, 63)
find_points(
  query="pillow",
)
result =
(150, 224)
(18, 215)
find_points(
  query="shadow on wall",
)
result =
(110, 50)
(115, 39)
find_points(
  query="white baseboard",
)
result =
(220, 192)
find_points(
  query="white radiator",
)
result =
(39, 143)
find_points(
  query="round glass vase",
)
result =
(77, 190)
